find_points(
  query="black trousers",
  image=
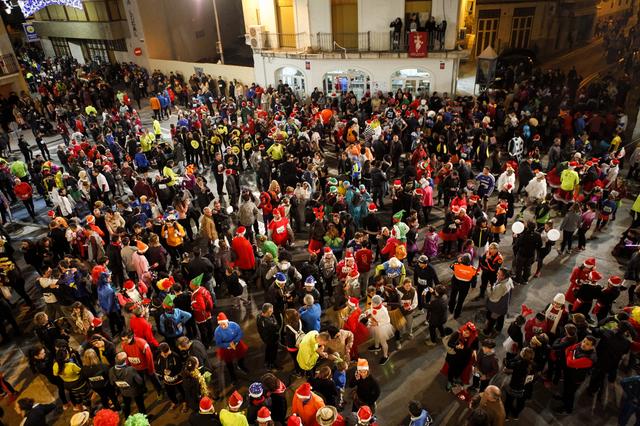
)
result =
(206, 332)
(494, 323)
(270, 353)
(108, 393)
(28, 204)
(432, 332)
(459, 291)
(487, 278)
(174, 392)
(126, 404)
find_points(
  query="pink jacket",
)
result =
(140, 263)
(427, 196)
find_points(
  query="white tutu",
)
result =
(382, 333)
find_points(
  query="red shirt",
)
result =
(364, 257)
(142, 330)
(23, 190)
(139, 355)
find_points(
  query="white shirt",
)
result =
(102, 183)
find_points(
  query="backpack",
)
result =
(298, 333)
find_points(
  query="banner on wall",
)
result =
(30, 32)
(418, 44)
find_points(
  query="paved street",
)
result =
(412, 373)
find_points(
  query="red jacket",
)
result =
(201, 304)
(364, 257)
(578, 359)
(23, 190)
(142, 330)
(245, 259)
(139, 355)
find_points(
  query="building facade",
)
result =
(11, 79)
(97, 32)
(544, 27)
(351, 45)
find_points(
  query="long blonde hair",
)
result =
(90, 357)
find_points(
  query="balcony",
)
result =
(317, 43)
(8, 65)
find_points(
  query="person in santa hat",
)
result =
(365, 417)
(206, 415)
(607, 297)
(245, 259)
(232, 416)
(555, 316)
(586, 294)
(355, 326)
(579, 274)
(380, 327)
(346, 266)
(264, 417)
(279, 228)
(230, 346)
(202, 306)
(306, 404)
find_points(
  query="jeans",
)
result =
(627, 409)
(567, 240)
(270, 353)
(494, 323)
(522, 266)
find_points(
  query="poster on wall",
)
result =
(30, 32)
(418, 44)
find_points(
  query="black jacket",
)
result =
(437, 311)
(37, 416)
(268, 328)
(197, 419)
(367, 389)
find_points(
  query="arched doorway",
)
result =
(412, 79)
(340, 82)
(294, 78)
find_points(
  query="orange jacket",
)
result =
(463, 272)
(154, 102)
(306, 410)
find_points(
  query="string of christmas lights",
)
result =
(29, 7)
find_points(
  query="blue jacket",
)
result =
(224, 336)
(310, 317)
(107, 297)
(141, 160)
(179, 318)
(423, 420)
(164, 101)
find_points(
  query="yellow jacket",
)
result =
(70, 371)
(173, 233)
(569, 179)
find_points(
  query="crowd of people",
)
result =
(159, 239)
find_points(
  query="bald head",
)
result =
(121, 358)
(493, 392)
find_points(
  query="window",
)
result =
(60, 46)
(114, 10)
(487, 29)
(96, 11)
(76, 14)
(117, 45)
(97, 50)
(57, 13)
(521, 27)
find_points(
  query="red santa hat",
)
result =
(372, 207)
(294, 420)
(206, 405)
(97, 322)
(363, 365)
(304, 391)
(474, 198)
(264, 415)
(364, 414)
(615, 280)
(590, 262)
(455, 209)
(353, 302)
(327, 250)
(241, 230)
(222, 318)
(348, 254)
(615, 162)
(235, 400)
(573, 164)
(595, 276)
(129, 285)
(397, 182)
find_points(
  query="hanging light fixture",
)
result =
(29, 7)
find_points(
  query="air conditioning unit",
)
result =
(256, 37)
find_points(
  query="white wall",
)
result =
(449, 10)
(380, 70)
(376, 15)
(244, 75)
(319, 16)
(76, 52)
(136, 31)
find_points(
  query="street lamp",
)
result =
(219, 41)
(486, 69)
